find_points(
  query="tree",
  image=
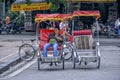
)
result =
(56, 4)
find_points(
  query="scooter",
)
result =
(113, 32)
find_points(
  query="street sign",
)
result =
(30, 7)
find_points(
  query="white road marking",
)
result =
(7, 56)
(22, 69)
(19, 70)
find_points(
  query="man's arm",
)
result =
(59, 37)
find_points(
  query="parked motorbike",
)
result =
(15, 28)
(113, 32)
(11, 28)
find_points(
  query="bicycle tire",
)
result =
(68, 56)
(26, 52)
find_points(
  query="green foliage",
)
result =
(20, 20)
(28, 1)
(56, 4)
(16, 17)
(2, 0)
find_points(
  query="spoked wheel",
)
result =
(63, 64)
(38, 61)
(74, 62)
(26, 52)
(98, 62)
(111, 34)
(68, 55)
(0, 31)
(63, 61)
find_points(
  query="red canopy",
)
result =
(87, 13)
(43, 17)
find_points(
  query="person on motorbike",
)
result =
(55, 39)
(117, 25)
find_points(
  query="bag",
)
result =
(52, 41)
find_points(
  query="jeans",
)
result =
(54, 46)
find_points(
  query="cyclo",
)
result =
(85, 49)
(41, 40)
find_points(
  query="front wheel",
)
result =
(111, 34)
(38, 61)
(74, 62)
(68, 52)
(63, 64)
(0, 31)
(26, 52)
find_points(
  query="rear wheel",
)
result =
(74, 62)
(38, 61)
(63, 63)
(63, 60)
(26, 52)
(98, 62)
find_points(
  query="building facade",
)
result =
(107, 8)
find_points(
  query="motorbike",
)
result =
(11, 28)
(15, 28)
(113, 32)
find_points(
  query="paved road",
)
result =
(109, 70)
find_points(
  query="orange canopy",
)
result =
(43, 17)
(87, 13)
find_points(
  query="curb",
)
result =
(6, 65)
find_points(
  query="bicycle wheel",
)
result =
(26, 52)
(68, 52)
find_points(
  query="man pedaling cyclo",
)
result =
(63, 29)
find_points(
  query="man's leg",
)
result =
(55, 51)
(45, 49)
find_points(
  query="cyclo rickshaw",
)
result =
(44, 39)
(85, 49)
(28, 54)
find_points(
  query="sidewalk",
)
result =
(9, 48)
(9, 54)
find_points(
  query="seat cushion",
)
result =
(82, 32)
(83, 41)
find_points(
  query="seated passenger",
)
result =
(55, 39)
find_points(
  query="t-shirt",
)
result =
(53, 40)
(63, 25)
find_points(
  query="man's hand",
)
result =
(58, 38)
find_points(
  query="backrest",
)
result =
(44, 33)
(83, 39)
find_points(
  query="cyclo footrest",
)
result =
(50, 59)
